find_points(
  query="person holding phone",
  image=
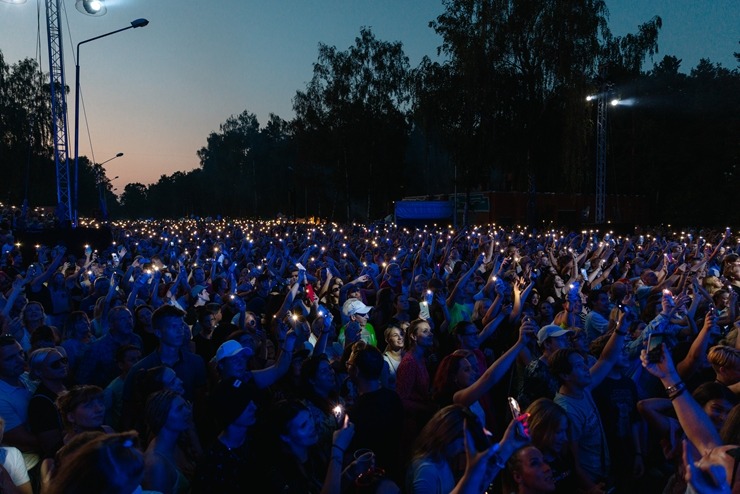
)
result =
(454, 437)
(577, 381)
(456, 381)
(288, 438)
(548, 426)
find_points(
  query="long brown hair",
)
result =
(442, 429)
(544, 419)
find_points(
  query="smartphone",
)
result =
(115, 257)
(339, 414)
(516, 413)
(310, 295)
(516, 410)
(654, 351)
(220, 259)
(300, 266)
(322, 311)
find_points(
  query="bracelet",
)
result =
(621, 333)
(676, 388)
(341, 450)
(677, 393)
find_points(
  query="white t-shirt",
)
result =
(12, 460)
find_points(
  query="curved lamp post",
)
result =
(101, 187)
(134, 24)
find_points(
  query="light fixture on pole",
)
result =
(94, 8)
(111, 159)
(134, 24)
(100, 178)
(604, 98)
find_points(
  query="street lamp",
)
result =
(111, 159)
(134, 24)
(91, 7)
(100, 179)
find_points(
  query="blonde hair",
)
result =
(36, 361)
(724, 356)
(545, 417)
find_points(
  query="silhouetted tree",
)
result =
(351, 119)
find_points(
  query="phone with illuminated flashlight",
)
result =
(310, 295)
(339, 414)
(516, 413)
(326, 314)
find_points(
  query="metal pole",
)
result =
(134, 24)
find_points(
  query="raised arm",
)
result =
(269, 375)
(46, 275)
(463, 279)
(693, 419)
(471, 394)
(698, 350)
(613, 348)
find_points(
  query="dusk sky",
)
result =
(155, 93)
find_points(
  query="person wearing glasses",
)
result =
(50, 368)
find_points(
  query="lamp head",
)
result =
(91, 7)
(139, 23)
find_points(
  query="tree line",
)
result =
(502, 107)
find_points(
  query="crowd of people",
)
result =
(227, 355)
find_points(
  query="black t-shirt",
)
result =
(616, 400)
(378, 418)
(204, 347)
(563, 473)
(43, 416)
(224, 470)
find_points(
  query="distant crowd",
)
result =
(218, 356)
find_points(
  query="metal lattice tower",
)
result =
(58, 109)
(600, 213)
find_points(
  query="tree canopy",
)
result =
(502, 108)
